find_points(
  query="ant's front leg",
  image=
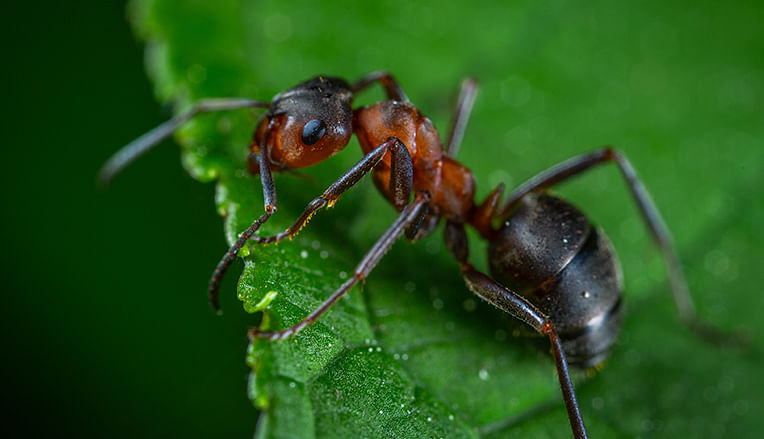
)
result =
(132, 151)
(411, 215)
(401, 182)
(269, 197)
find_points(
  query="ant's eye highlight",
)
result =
(313, 131)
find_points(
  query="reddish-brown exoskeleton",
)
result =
(550, 267)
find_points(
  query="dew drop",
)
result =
(304, 254)
(483, 374)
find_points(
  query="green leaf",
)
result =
(414, 354)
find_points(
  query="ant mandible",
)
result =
(550, 267)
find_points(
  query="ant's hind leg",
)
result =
(517, 306)
(520, 308)
(652, 217)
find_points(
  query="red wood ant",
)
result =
(551, 268)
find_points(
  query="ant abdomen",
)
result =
(550, 253)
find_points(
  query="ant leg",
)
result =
(130, 152)
(401, 176)
(386, 80)
(464, 103)
(652, 217)
(520, 308)
(410, 214)
(516, 305)
(485, 213)
(269, 196)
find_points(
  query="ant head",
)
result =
(308, 123)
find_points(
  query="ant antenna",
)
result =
(130, 152)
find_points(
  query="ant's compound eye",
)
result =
(313, 131)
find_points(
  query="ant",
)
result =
(551, 268)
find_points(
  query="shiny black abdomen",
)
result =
(550, 253)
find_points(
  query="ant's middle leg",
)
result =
(652, 217)
(411, 214)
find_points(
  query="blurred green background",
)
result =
(106, 329)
